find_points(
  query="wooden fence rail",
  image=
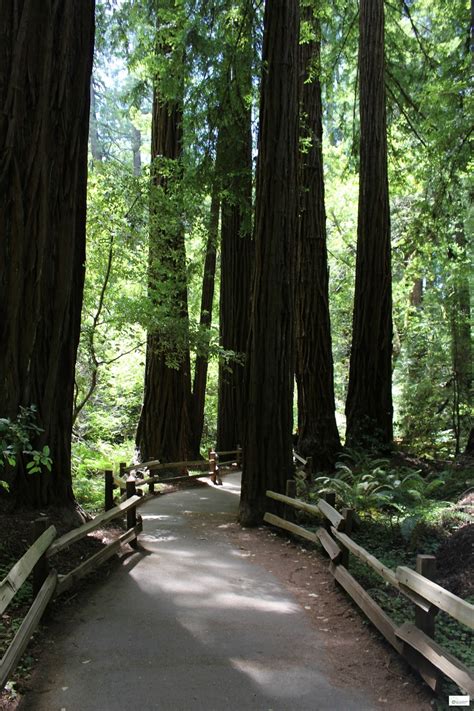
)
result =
(413, 641)
(22, 569)
(212, 465)
(47, 583)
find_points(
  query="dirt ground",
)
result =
(356, 652)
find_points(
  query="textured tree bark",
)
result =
(45, 67)
(318, 433)
(270, 360)
(237, 247)
(207, 299)
(369, 400)
(164, 428)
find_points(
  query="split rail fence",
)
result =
(413, 641)
(138, 473)
(38, 559)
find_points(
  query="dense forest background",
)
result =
(176, 204)
(248, 223)
(428, 129)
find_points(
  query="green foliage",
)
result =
(89, 461)
(430, 175)
(393, 547)
(16, 440)
(428, 113)
(39, 459)
(374, 485)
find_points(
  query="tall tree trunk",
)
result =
(369, 407)
(164, 426)
(207, 299)
(45, 67)
(268, 460)
(318, 433)
(237, 247)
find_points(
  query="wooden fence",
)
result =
(38, 559)
(47, 583)
(413, 641)
(212, 465)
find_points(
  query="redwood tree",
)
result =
(207, 300)
(164, 429)
(270, 357)
(369, 399)
(318, 434)
(45, 67)
(235, 153)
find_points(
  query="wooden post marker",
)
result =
(348, 521)
(330, 498)
(213, 465)
(425, 565)
(425, 621)
(238, 458)
(289, 512)
(151, 487)
(41, 569)
(131, 513)
(218, 480)
(109, 489)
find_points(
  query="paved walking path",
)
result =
(188, 624)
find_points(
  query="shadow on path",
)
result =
(187, 623)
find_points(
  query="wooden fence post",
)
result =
(212, 465)
(330, 498)
(425, 621)
(109, 489)
(348, 521)
(41, 569)
(289, 512)
(218, 480)
(122, 466)
(151, 486)
(214, 468)
(425, 565)
(131, 513)
(239, 456)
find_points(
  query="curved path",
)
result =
(188, 624)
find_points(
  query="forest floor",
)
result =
(355, 651)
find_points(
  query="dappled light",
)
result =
(276, 676)
(235, 305)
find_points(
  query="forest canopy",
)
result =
(275, 227)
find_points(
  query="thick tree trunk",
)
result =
(164, 427)
(237, 247)
(318, 433)
(369, 400)
(207, 300)
(45, 67)
(270, 362)
(235, 290)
